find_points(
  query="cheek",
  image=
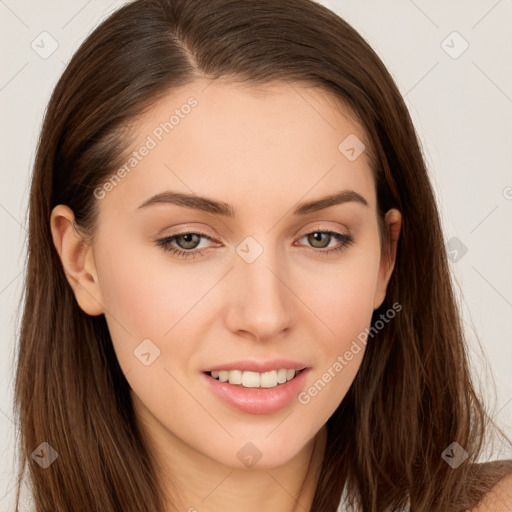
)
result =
(339, 355)
(145, 293)
(147, 297)
(342, 295)
(344, 305)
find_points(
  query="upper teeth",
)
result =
(254, 379)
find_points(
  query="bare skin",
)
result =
(498, 499)
(263, 151)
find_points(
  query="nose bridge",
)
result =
(262, 302)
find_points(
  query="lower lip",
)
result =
(258, 400)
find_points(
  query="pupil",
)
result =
(318, 236)
(187, 240)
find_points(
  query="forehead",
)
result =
(281, 142)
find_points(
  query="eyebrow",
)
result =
(220, 208)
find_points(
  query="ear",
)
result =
(393, 223)
(77, 258)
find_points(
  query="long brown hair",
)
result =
(413, 395)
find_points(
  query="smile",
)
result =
(248, 379)
(253, 392)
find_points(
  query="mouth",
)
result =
(250, 379)
(257, 392)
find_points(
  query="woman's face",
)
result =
(226, 269)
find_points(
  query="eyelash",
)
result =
(165, 244)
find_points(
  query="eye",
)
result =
(188, 243)
(321, 240)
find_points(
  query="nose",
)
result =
(260, 299)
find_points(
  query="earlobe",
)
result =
(393, 222)
(77, 260)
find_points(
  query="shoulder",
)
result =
(498, 499)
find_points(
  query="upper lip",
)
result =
(258, 366)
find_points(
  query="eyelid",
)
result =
(189, 232)
(323, 227)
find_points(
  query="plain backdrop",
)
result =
(452, 61)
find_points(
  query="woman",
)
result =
(237, 294)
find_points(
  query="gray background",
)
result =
(461, 104)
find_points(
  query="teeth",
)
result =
(235, 377)
(268, 379)
(250, 379)
(254, 379)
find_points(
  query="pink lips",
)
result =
(258, 400)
